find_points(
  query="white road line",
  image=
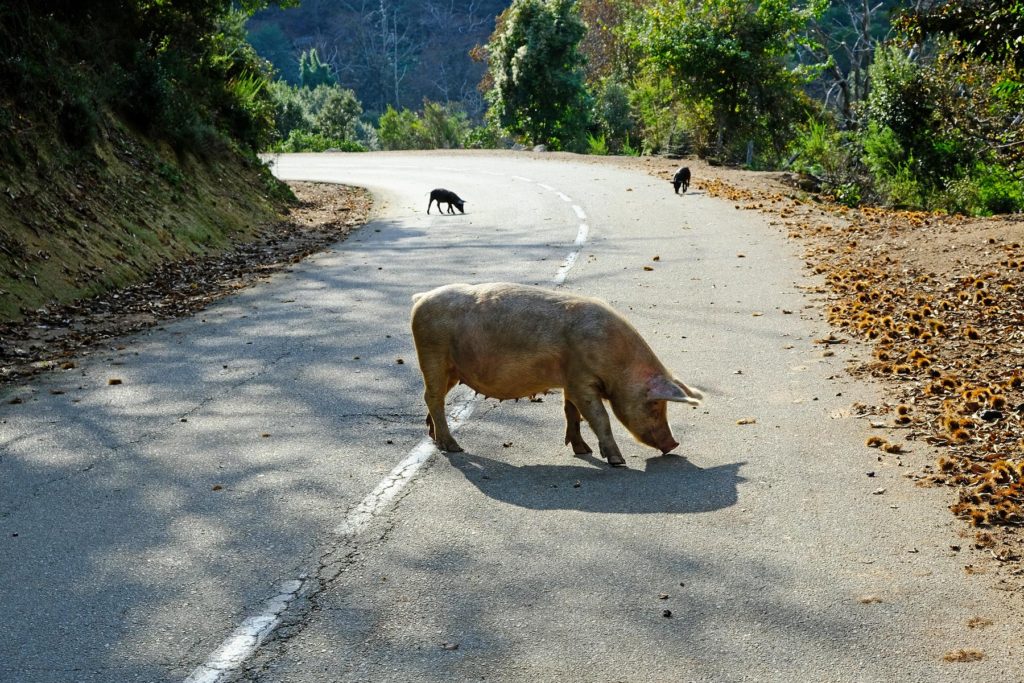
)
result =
(242, 643)
(564, 197)
(247, 637)
(546, 187)
(581, 234)
(358, 519)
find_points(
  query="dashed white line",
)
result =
(247, 637)
(519, 177)
(579, 212)
(564, 197)
(546, 187)
(242, 643)
(581, 234)
(356, 521)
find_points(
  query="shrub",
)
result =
(304, 141)
(597, 145)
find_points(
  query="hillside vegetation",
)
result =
(128, 132)
(898, 103)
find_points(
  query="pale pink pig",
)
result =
(510, 341)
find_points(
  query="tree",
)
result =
(844, 39)
(338, 114)
(731, 57)
(537, 73)
(313, 72)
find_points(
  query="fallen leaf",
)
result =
(869, 599)
(746, 421)
(648, 268)
(217, 487)
(878, 492)
(113, 381)
(964, 656)
(979, 622)
(449, 646)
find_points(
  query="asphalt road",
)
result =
(259, 474)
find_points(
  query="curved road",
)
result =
(256, 500)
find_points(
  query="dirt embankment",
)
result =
(54, 335)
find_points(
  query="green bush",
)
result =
(438, 127)
(989, 189)
(597, 145)
(305, 141)
(613, 113)
(483, 137)
(400, 129)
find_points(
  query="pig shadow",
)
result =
(667, 484)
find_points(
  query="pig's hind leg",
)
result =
(590, 406)
(572, 429)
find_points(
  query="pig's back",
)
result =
(507, 340)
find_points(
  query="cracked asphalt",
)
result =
(142, 522)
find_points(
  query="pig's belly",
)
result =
(511, 376)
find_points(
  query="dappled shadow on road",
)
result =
(669, 484)
(199, 464)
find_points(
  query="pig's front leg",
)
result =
(437, 383)
(572, 429)
(592, 409)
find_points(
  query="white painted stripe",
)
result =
(240, 645)
(581, 234)
(579, 212)
(247, 637)
(360, 517)
(564, 197)
(447, 168)
(546, 187)
(567, 264)
(519, 177)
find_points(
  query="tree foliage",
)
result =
(536, 71)
(313, 72)
(732, 57)
(180, 69)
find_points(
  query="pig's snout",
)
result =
(661, 439)
(668, 446)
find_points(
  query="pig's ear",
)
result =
(662, 388)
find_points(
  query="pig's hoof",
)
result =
(451, 447)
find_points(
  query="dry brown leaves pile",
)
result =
(51, 337)
(939, 301)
